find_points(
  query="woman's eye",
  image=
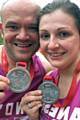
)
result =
(45, 36)
(63, 34)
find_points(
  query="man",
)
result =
(21, 41)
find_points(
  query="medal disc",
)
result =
(50, 91)
(19, 79)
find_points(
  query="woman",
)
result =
(60, 40)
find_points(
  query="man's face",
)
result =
(20, 32)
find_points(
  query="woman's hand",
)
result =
(31, 102)
(4, 85)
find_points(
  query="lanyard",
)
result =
(72, 89)
(70, 95)
(4, 63)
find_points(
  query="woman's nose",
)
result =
(53, 43)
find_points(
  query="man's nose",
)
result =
(22, 34)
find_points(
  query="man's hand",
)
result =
(4, 85)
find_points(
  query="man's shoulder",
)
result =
(1, 46)
(46, 64)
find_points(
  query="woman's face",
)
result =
(59, 38)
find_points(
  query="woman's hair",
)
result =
(66, 6)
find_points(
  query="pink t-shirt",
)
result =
(10, 106)
(70, 112)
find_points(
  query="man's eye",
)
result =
(45, 36)
(12, 27)
(63, 34)
(33, 28)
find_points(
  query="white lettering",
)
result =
(53, 111)
(9, 109)
(18, 108)
(46, 108)
(63, 113)
(1, 105)
(75, 114)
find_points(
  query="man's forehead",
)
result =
(16, 6)
(40, 3)
(19, 2)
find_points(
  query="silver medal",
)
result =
(19, 79)
(50, 91)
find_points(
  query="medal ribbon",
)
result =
(4, 60)
(23, 64)
(29, 67)
(72, 89)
